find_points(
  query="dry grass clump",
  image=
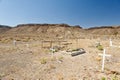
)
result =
(115, 77)
(2, 75)
(103, 78)
(53, 59)
(5, 40)
(43, 60)
(60, 58)
(100, 47)
(98, 58)
(60, 76)
(52, 66)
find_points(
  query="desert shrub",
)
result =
(43, 61)
(18, 40)
(115, 33)
(103, 78)
(25, 40)
(60, 58)
(53, 59)
(2, 75)
(115, 77)
(5, 40)
(99, 47)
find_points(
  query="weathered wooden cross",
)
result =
(103, 59)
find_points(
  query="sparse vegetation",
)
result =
(115, 77)
(2, 75)
(116, 33)
(99, 46)
(43, 60)
(103, 78)
(53, 59)
(5, 40)
(60, 58)
(37, 61)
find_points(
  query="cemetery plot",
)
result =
(77, 52)
(17, 63)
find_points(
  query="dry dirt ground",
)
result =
(28, 61)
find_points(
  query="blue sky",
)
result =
(86, 13)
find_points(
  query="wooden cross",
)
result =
(103, 59)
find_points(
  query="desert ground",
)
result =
(33, 60)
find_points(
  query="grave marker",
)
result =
(111, 43)
(103, 59)
(14, 42)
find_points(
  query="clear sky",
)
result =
(86, 13)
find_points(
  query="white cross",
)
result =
(14, 42)
(110, 42)
(103, 59)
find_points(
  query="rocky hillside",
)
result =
(4, 28)
(41, 28)
(104, 30)
(48, 30)
(59, 30)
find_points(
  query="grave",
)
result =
(103, 59)
(78, 52)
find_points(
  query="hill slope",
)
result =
(4, 28)
(50, 30)
(59, 30)
(104, 30)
